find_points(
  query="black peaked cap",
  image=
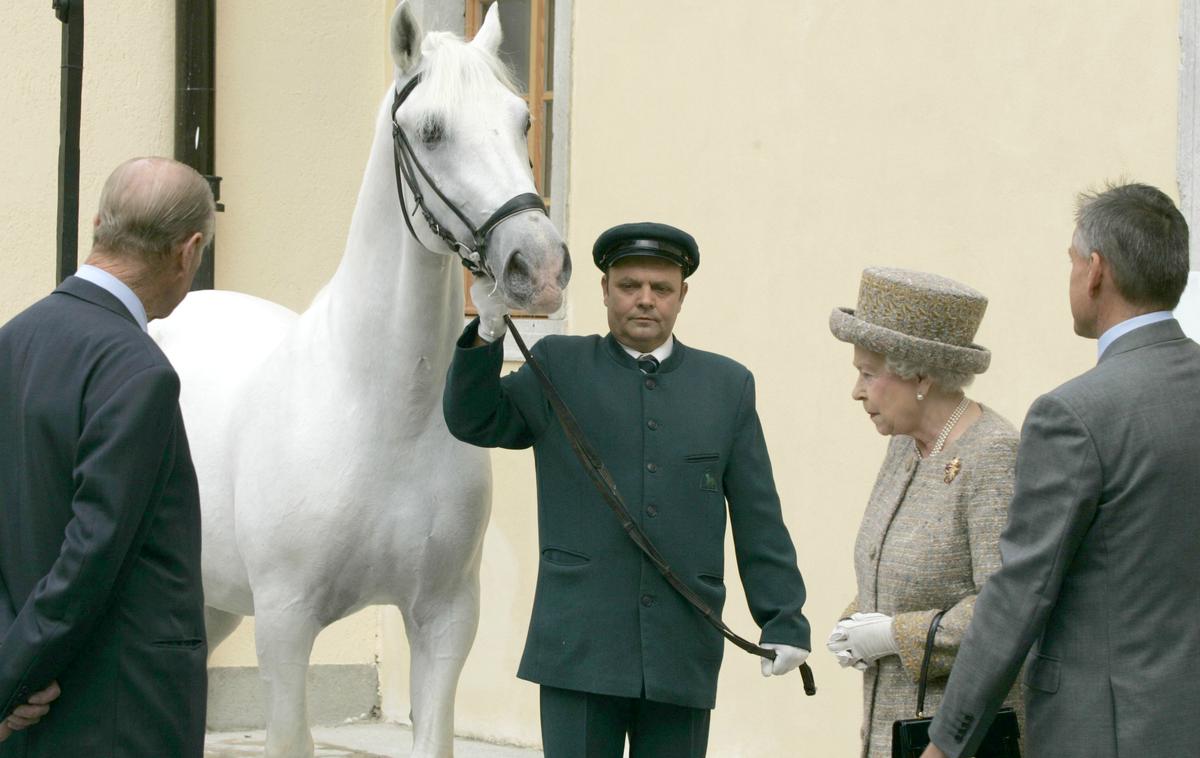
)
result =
(649, 239)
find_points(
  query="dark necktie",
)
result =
(647, 363)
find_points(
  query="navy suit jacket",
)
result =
(99, 535)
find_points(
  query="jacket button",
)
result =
(652, 467)
(651, 384)
(652, 424)
(651, 511)
(647, 600)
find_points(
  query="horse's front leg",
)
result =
(440, 633)
(284, 638)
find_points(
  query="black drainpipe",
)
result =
(195, 103)
(70, 13)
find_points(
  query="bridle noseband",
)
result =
(473, 256)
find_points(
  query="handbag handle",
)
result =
(933, 625)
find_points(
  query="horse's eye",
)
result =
(431, 133)
(528, 124)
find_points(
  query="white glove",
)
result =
(786, 659)
(862, 639)
(491, 306)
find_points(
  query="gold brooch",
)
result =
(952, 469)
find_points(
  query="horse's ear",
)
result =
(489, 35)
(405, 36)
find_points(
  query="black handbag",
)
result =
(910, 737)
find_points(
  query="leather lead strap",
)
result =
(600, 477)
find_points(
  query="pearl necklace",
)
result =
(949, 427)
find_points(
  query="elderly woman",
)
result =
(930, 534)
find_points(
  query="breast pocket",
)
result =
(707, 472)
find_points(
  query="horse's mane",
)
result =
(455, 70)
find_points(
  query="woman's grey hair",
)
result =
(950, 381)
(1142, 235)
(150, 205)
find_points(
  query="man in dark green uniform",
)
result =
(615, 649)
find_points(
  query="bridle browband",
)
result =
(473, 256)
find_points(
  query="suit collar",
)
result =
(1161, 331)
(96, 295)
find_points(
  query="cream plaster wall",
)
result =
(799, 142)
(127, 111)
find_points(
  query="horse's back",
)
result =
(217, 328)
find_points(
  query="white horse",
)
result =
(328, 479)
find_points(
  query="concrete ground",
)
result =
(369, 739)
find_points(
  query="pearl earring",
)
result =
(920, 396)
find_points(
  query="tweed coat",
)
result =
(927, 544)
(680, 444)
(1099, 594)
(99, 536)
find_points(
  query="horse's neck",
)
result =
(393, 307)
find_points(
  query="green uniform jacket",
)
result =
(679, 444)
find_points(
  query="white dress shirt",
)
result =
(661, 353)
(1127, 326)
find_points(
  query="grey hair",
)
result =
(950, 381)
(1142, 235)
(150, 205)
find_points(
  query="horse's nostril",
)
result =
(564, 275)
(517, 272)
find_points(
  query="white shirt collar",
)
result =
(117, 289)
(1127, 326)
(662, 352)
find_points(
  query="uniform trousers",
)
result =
(586, 725)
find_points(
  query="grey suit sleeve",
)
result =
(122, 451)
(1057, 488)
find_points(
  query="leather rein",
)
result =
(473, 254)
(474, 258)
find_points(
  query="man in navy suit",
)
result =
(100, 591)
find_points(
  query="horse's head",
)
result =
(466, 128)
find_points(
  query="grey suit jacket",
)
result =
(1100, 567)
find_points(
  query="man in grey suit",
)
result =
(100, 589)
(1101, 554)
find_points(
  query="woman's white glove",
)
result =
(786, 659)
(491, 306)
(862, 639)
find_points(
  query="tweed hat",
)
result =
(923, 318)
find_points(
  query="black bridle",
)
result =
(473, 255)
